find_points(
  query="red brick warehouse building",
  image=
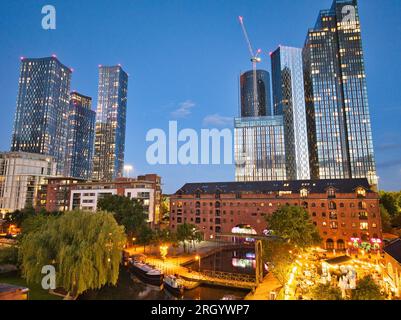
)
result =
(344, 211)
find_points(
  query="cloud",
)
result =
(217, 120)
(184, 109)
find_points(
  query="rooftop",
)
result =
(313, 186)
(394, 249)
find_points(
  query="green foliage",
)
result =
(127, 212)
(386, 219)
(17, 217)
(84, 247)
(145, 236)
(366, 289)
(326, 292)
(278, 255)
(391, 201)
(9, 255)
(294, 224)
(188, 232)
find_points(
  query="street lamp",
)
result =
(198, 258)
(133, 243)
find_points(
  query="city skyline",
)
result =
(187, 108)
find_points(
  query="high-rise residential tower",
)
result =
(289, 101)
(110, 123)
(259, 149)
(263, 107)
(80, 138)
(340, 136)
(40, 124)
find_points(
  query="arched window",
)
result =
(332, 205)
(331, 193)
(198, 204)
(329, 244)
(340, 244)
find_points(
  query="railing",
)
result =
(226, 276)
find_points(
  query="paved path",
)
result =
(262, 292)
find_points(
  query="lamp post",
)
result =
(198, 258)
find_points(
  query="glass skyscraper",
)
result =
(336, 96)
(259, 149)
(289, 101)
(40, 124)
(110, 123)
(81, 136)
(263, 107)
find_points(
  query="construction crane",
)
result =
(255, 59)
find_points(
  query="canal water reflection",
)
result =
(233, 261)
(129, 287)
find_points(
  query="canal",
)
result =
(129, 287)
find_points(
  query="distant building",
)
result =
(147, 189)
(344, 211)
(259, 149)
(263, 107)
(289, 101)
(340, 135)
(21, 175)
(110, 124)
(80, 138)
(54, 195)
(40, 124)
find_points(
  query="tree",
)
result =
(127, 212)
(85, 248)
(391, 201)
(9, 255)
(145, 236)
(19, 216)
(366, 289)
(326, 292)
(187, 232)
(294, 224)
(280, 259)
(386, 219)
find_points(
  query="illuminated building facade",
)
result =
(247, 94)
(346, 212)
(80, 139)
(110, 123)
(340, 137)
(259, 149)
(289, 101)
(40, 124)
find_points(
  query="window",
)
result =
(304, 193)
(334, 225)
(332, 205)
(363, 215)
(361, 192)
(331, 193)
(333, 215)
(198, 204)
(364, 226)
(362, 205)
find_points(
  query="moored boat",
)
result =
(173, 284)
(146, 273)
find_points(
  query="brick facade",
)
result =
(338, 214)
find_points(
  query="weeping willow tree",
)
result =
(84, 247)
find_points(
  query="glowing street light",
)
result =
(198, 258)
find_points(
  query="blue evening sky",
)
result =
(184, 58)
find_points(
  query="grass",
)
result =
(35, 290)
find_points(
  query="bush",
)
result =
(9, 255)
